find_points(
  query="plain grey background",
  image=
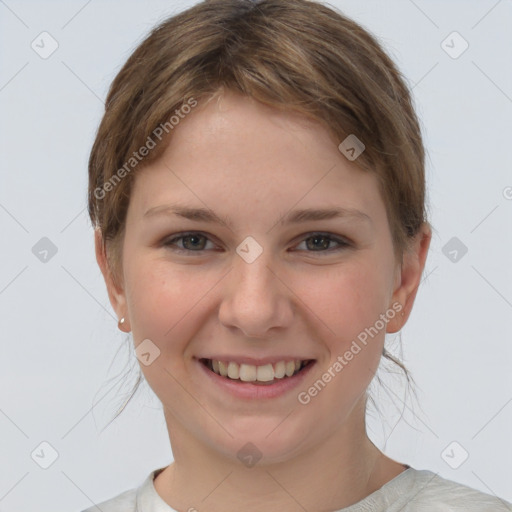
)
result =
(63, 358)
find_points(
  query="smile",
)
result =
(268, 373)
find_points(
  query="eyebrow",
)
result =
(293, 217)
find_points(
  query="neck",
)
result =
(342, 470)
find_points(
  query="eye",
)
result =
(192, 242)
(320, 242)
(196, 242)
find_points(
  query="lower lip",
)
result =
(252, 391)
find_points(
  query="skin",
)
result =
(253, 164)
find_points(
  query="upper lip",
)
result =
(260, 361)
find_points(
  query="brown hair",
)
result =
(296, 55)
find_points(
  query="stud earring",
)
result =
(121, 324)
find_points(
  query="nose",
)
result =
(256, 298)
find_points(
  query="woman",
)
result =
(257, 187)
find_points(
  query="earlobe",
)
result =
(408, 277)
(115, 292)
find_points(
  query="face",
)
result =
(261, 287)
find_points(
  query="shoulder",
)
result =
(124, 502)
(143, 497)
(427, 491)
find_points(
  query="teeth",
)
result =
(279, 370)
(265, 373)
(252, 373)
(247, 372)
(233, 370)
(290, 368)
(223, 369)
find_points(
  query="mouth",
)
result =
(259, 375)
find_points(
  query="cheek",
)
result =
(159, 301)
(348, 303)
(161, 305)
(348, 299)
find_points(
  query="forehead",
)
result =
(235, 151)
(239, 123)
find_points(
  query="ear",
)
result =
(408, 277)
(115, 291)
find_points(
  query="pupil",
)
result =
(193, 237)
(320, 237)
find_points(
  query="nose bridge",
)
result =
(252, 277)
(252, 262)
(255, 298)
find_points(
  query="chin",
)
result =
(264, 440)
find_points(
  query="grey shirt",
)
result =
(411, 491)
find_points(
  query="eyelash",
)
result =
(343, 244)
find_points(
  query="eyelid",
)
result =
(342, 241)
